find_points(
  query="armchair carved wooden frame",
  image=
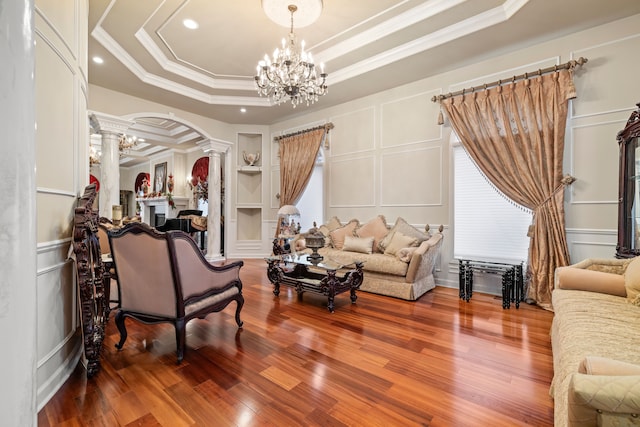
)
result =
(164, 278)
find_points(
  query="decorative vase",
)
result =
(170, 183)
(251, 158)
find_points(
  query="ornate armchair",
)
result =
(164, 277)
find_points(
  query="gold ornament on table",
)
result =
(251, 158)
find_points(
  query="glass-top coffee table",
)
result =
(326, 277)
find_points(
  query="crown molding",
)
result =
(460, 29)
(127, 60)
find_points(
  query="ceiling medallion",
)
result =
(290, 73)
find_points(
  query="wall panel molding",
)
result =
(348, 187)
(358, 127)
(405, 175)
(405, 120)
(596, 159)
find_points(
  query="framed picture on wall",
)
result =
(160, 178)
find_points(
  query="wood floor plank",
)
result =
(438, 361)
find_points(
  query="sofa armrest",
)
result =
(423, 260)
(579, 279)
(593, 398)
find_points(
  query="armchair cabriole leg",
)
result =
(121, 328)
(240, 301)
(180, 339)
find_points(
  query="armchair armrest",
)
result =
(196, 275)
(594, 397)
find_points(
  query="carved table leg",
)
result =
(274, 274)
(331, 282)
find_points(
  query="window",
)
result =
(487, 226)
(311, 203)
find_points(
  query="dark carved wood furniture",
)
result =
(628, 192)
(91, 277)
(164, 278)
(513, 289)
(322, 278)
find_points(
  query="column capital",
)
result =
(106, 123)
(215, 146)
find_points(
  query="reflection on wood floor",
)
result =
(381, 362)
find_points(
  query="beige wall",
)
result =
(62, 134)
(388, 156)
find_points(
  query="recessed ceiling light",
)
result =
(190, 24)
(243, 110)
(98, 60)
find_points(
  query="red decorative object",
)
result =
(139, 180)
(170, 183)
(200, 171)
(94, 180)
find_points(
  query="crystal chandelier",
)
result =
(125, 143)
(290, 73)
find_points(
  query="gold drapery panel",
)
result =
(515, 135)
(298, 153)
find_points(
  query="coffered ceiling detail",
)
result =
(366, 45)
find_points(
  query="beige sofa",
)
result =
(399, 261)
(595, 341)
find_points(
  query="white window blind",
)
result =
(487, 226)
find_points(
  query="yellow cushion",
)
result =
(399, 241)
(594, 365)
(376, 228)
(362, 245)
(632, 281)
(338, 235)
(405, 228)
(580, 279)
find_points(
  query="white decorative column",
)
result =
(18, 226)
(111, 127)
(214, 149)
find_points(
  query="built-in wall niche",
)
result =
(249, 151)
(249, 223)
(249, 186)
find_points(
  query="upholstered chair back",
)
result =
(144, 272)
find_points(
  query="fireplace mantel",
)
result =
(150, 206)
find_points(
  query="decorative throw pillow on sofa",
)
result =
(363, 245)
(333, 223)
(326, 232)
(632, 281)
(405, 254)
(399, 241)
(338, 235)
(405, 228)
(376, 228)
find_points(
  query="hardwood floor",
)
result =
(438, 361)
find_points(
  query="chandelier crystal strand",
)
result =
(290, 73)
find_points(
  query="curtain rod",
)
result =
(327, 127)
(566, 66)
